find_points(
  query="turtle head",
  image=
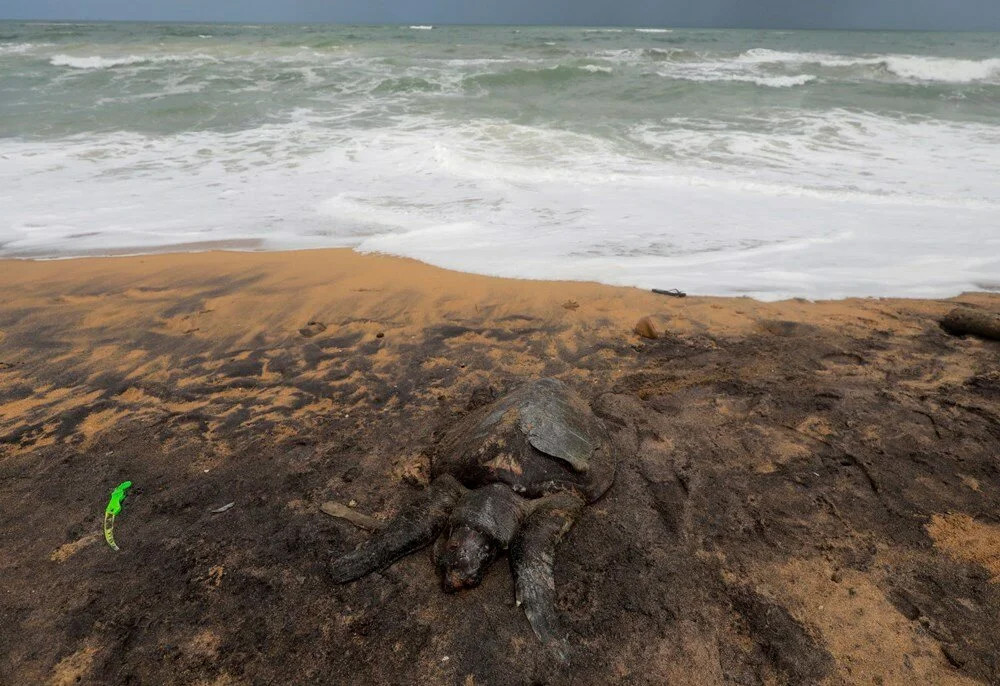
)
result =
(465, 557)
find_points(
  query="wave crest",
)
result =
(20, 48)
(951, 70)
(910, 67)
(98, 62)
(550, 76)
(779, 81)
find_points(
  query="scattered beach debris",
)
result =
(312, 328)
(673, 292)
(571, 305)
(215, 574)
(646, 328)
(111, 511)
(964, 320)
(358, 519)
(222, 509)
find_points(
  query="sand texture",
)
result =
(809, 493)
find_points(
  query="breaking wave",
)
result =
(911, 67)
(98, 62)
(774, 81)
(20, 48)
(536, 77)
(777, 81)
(945, 69)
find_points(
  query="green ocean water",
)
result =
(771, 163)
(240, 76)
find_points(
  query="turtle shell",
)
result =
(540, 438)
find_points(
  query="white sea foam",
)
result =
(619, 54)
(98, 62)
(913, 67)
(782, 81)
(20, 48)
(943, 69)
(596, 69)
(772, 214)
(422, 27)
(854, 156)
(680, 63)
(713, 74)
(654, 30)
(640, 56)
(768, 56)
(95, 62)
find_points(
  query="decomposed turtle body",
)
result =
(511, 476)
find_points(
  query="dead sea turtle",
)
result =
(513, 475)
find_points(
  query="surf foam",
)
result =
(913, 67)
(771, 217)
(98, 62)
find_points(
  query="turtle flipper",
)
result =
(416, 526)
(532, 557)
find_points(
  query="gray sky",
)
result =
(889, 14)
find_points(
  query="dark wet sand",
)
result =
(810, 494)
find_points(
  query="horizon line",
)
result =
(407, 24)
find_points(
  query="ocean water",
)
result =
(766, 163)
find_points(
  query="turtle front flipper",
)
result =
(416, 526)
(532, 557)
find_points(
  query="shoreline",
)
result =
(794, 475)
(251, 246)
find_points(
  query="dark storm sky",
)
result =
(890, 14)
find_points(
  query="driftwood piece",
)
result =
(356, 518)
(965, 320)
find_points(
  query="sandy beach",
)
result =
(809, 494)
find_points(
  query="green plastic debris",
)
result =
(112, 510)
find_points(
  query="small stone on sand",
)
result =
(646, 328)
